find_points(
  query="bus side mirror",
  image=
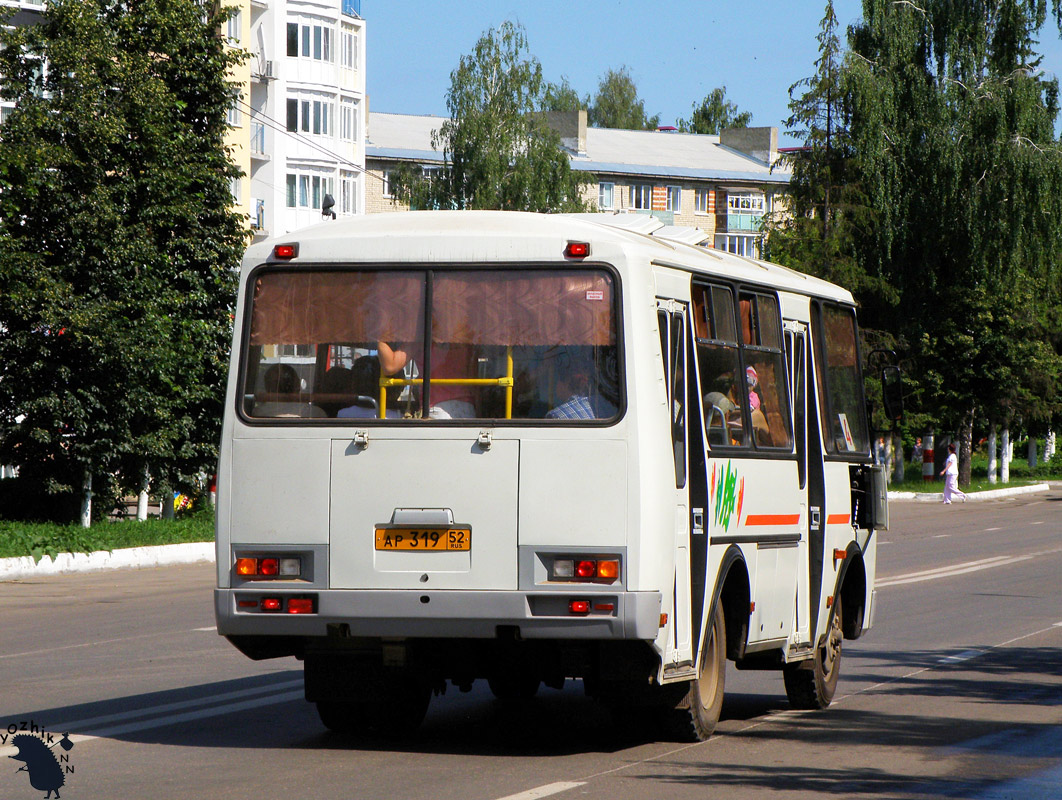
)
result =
(892, 392)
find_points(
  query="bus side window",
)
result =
(720, 367)
(765, 374)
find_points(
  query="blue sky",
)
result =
(676, 51)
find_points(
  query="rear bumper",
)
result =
(442, 614)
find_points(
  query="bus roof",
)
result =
(418, 237)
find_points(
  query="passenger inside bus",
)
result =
(282, 395)
(365, 384)
(448, 401)
(583, 401)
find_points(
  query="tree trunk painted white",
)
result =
(142, 499)
(898, 460)
(927, 457)
(86, 500)
(1005, 454)
(1049, 446)
(992, 466)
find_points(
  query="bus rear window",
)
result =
(443, 344)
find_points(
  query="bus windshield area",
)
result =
(448, 344)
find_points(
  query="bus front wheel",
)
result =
(695, 716)
(811, 684)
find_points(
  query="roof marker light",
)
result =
(577, 250)
(285, 251)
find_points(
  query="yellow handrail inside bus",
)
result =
(506, 380)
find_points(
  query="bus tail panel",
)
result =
(423, 514)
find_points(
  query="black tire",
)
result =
(396, 711)
(513, 685)
(810, 684)
(694, 717)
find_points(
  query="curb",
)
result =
(126, 558)
(991, 494)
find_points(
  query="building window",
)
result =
(235, 189)
(348, 192)
(605, 200)
(348, 119)
(348, 48)
(702, 202)
(233, 27)
(642, 196)
(674, 199)
(739, 244)
(310, 40)
(386, 190)
(233, 116)
(309, 116)
(307, 189)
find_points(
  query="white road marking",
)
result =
(208, 628)
(543, 791)
(993, 529)
(964, 656)
(172, 719)
(961, 569)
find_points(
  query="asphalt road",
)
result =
(957, 692)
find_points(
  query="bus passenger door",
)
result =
(815, 478)
(796, 356)
(691, 491)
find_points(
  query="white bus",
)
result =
(530, 448)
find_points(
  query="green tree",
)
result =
(562, 97)
(118, 247)
(498, 150)
(617, 105)
(714, 114)
(953, 126)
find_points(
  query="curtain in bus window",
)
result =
(536, 308)
(316, 307)
(846, 424)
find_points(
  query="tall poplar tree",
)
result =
(953, 124)
(118, 245)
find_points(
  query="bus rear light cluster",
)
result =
(275, 567)
(279, 605)
(597, 570)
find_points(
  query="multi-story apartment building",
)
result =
(305, 111)
(23, 12)
(722, 185)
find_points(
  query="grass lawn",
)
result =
(40, 539)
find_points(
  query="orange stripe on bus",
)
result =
(772, 519)
(838, 519)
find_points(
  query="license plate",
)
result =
(424, 540)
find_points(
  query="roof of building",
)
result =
(665, 154)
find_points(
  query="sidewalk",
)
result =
(991, 494)
(146, 557)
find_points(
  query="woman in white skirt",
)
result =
(951, 477)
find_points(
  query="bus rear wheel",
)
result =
(811, 684)
(513, 685)
(694, 717)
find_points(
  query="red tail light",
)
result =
(300, 605)
(579, 606)
(271, 604)
(586, 569)
(268, 566)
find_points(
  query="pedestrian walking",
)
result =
(951, 477)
